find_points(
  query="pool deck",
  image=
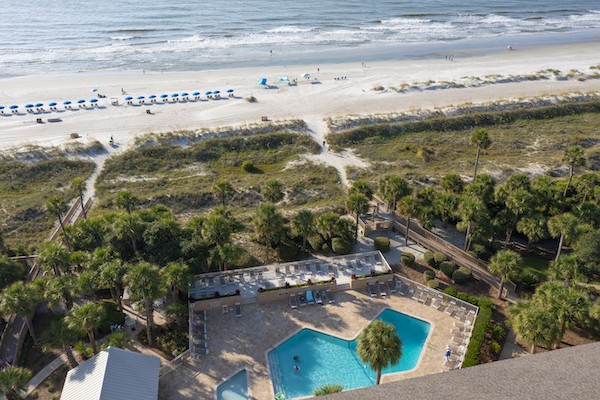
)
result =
(242, 342)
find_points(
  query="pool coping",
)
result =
(231, 376)
(352, 338)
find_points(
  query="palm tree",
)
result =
(570, 305)
(452, 183)
(409, 207)
(112, 276)
(268, 225)
(126, 200)
(519, 202)
(176, 276)
(119, 339)
(218, 227)
(392, 189)
(273, 191)
(586, 186)
(58, 289)
(574, 158)
(445, 206)
(179, 312)
(229, 253)
(58, 207)
(20, 299)
(505, 263)
(13, 381)
(565, 227)
(303, 224)
(144, 283)
(54, 258)
(379, 346)
(328, 389)
(566, 268)
(471, 211)
(86, 318)
(223, 190)
(78, 185)
(361, 186)
(481, 139)
(59, 336)
(595, 310)
(129, 226)
(534, 324)
(534, 227)
(357, 204)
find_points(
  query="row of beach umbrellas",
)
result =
(38, 106)
(177, 95)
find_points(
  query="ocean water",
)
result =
(49, 36)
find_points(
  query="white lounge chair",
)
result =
(391, 284)
(330, 296)
(371, 288)
(293, 301)
(317, 296)
(238, 310)
(382, 289)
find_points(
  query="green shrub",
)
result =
(173, 341)
(341, 246)
(448, 268)
(498, 333)
(408, 259)
(450, 291)
(51, 388)
(462, 275)
(434, 284)
(328, 389)
(316, 242)
(440, 257)
(112, 316)
(495, 347)
(429, 259)
(382, 244)
(429, 275)
(529, 280)
(248, 166)
(478, 335)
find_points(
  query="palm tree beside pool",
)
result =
(379, 346)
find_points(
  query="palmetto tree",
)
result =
(392, 189)
(534, 227)
(54, 258)
(357, 204)
(409, 207)
(505, 263)
(481, 139)
(20, 299)
(574, 158)
(218, 227)
(564, 226)
(13, 381)
(570, 305)
(228, 254)
(223, 190)
(268, 225)
(129, 226)
(86, 318)
(303, 224)
(126, 201)
(58, 207)
(328, 389)
(112, 276)
(59, 336)
(361, 186)
(471, 211)
(78, 185)
(595, 310)
(566, 268)
(534, 324)
(519, 202)
(379, 346)
(273, 191)
(57, 290)
(445, 206)
(144, 284)
(586, 186)
(176, 277)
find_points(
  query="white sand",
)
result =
(311, 102)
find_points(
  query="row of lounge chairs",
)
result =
(311, 297)
(199, 341)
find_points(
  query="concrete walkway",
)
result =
(45, 373)
(511, 348)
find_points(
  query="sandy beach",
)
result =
(311, 100)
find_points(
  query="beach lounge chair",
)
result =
(287, 270)
(391, 284)
(382, 288)
(325, 297)
(330, 296)
(371, 288)
(330, 269)
(317, 296)
(225, 309)
(301, 299)
(318, 268)
(296, 269)
(309, 297)
(238, 310)
(293, 301)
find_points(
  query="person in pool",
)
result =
(296, 369)
(296, 358)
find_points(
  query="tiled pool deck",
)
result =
(242, 342)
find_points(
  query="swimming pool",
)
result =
(235, 388)
(325, 359)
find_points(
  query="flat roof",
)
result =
(570, 373)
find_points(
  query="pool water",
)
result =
(235, 388)
(325, 359)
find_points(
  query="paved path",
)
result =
(45, 373)
(511, 347)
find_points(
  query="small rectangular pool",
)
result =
(325, 359)
(235, 388)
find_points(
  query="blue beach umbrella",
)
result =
(93, 100)
(217, 92)
(29, 105)
(94, 90)
(128, 98)
(185, 94)
(164, 96)
(196, 94)
(13, 107)
(229, 90)
(207, 93)
(53, 104)
(66, 103)
(140, 97)
(80, 101)
(39, 105)
(152, 96)
(175, 95)
(1, 107)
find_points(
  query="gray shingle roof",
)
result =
(114, 374)
(570, 374)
